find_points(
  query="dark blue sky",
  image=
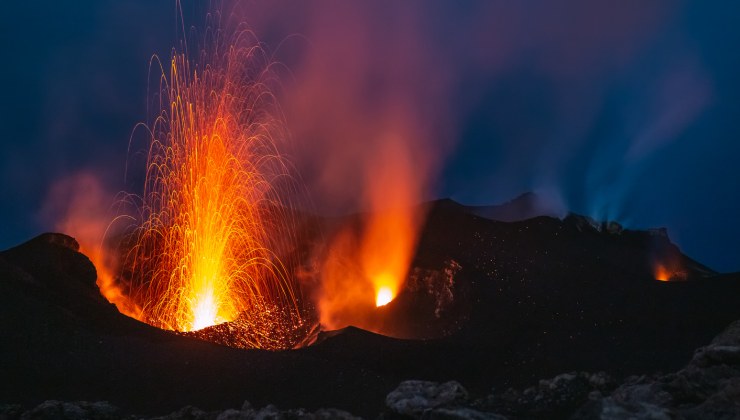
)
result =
(620, 110)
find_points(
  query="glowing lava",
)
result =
(367, 263)
(211, 213)
(205, 312)
(385, 295)
(662, 273)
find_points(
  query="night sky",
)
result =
(623, 110)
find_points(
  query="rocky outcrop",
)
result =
(247, 412)
(530, 297)
(102, 410)
(52, 409)
(420, 398)
(708, 387)
(550, 398)
(430, 400)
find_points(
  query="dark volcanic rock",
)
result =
(551, 398)
(430, 400)
(708, 387)
(522, 301)
(51, 263)
(81, 410)
(102, 410)
(60, 340)
(415, 398)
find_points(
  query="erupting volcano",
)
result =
(213, 237)
(312, 222)
(211, 215)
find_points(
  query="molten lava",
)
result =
(662, 273)
(211, 230)
(385, 295)
(211, 213)
(367, 263)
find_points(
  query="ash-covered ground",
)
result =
(488, 304)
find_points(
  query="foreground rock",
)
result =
(550, 398)
(528, 300)
(709, 387)
(425, 399)
(99, 410)
(102, 410)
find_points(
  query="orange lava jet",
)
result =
(662, 273)
(670, 269)
(367, 264)
(211, 214)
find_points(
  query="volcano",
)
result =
(488, 303)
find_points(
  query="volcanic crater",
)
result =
(488, 303)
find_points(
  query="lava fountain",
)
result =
(211, 215)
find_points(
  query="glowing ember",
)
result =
(385, 295)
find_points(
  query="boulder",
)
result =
(551, 398)
(708, 387)
(413, 398)
(83, 410)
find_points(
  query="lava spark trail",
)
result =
(211, 214)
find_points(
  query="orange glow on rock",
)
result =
(662, 273)
(111, 290)
(79, 204)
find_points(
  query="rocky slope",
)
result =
(708, 387)
(522, 301)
